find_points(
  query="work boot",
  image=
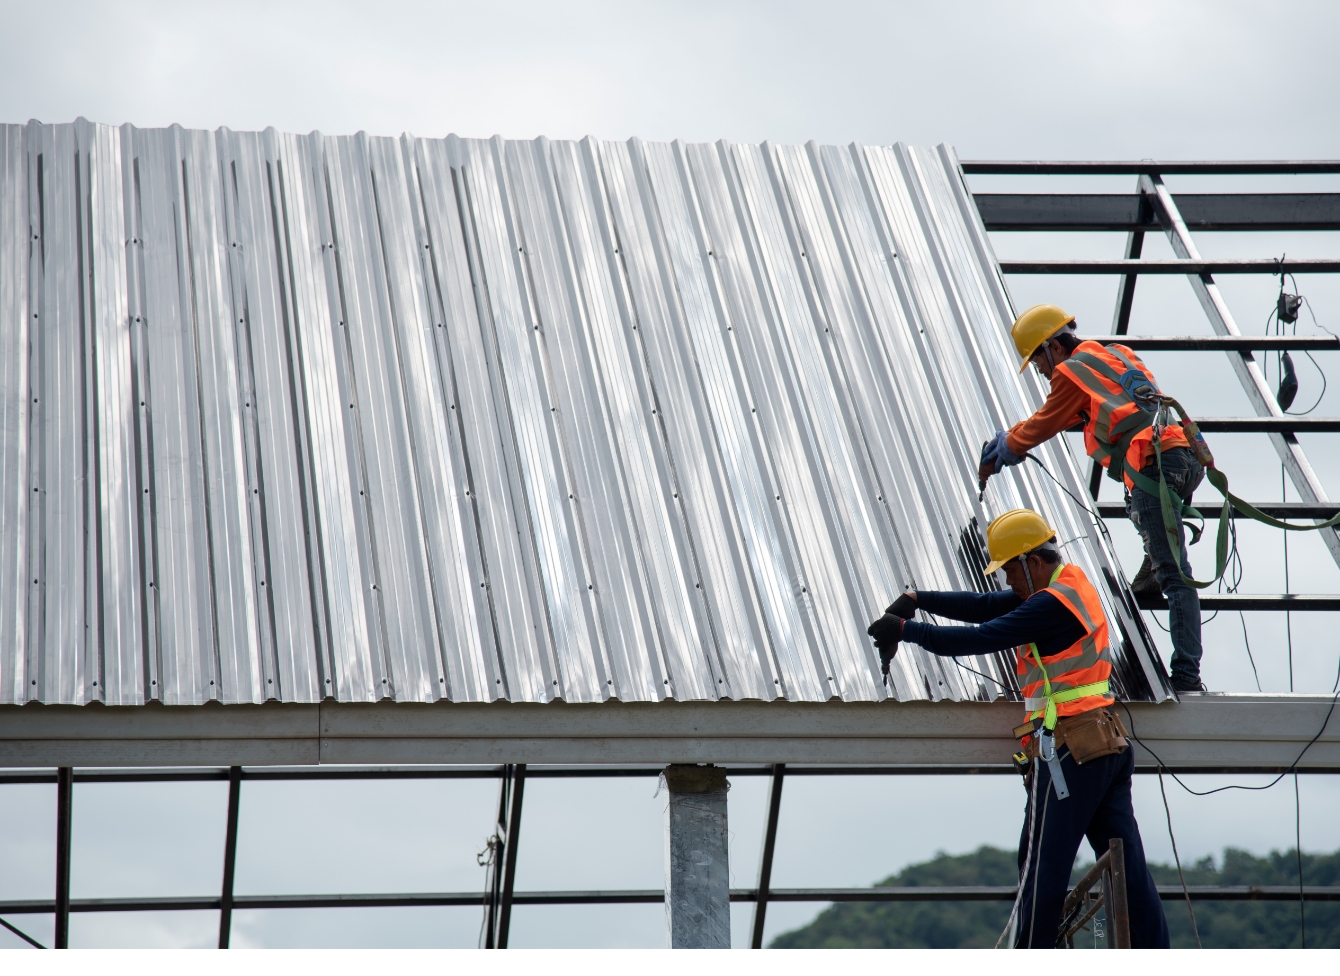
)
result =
(1183, 685)
(1145, 583)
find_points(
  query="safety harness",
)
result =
(1113, 443)
(1044, 707)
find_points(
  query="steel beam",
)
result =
(832, 733)
(1220, 343)
(765, 859)
(1115, 167)
(509, 854)
(1290, 602)
(697, 857)
(8, 778)
(64, 822)
(1173, 266)
(1285, 424)
(1213, 508)
(229, 856)
(642, 896)
(1129, 211)
(1253, 381)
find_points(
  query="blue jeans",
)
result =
(1099, 808)
(1183, 473)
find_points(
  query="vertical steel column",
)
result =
(509, 854)
(229, 856)
(697, 858)
(502, 871)
(765, 862)
(1249, 374)
(1121, 319)
(493, 886)
(64, 800)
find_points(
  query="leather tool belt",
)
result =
(1089, 735)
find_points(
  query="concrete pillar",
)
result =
(697, 865)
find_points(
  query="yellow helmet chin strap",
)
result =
(1028, 575)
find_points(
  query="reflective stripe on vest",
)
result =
(1117, 426)
(1075, 679)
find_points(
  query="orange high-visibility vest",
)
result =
(1063, 677)
(1116, 425)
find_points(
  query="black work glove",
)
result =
(905, 606)
(887, 632)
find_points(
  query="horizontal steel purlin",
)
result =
(1213, 508)
(1292, 602)
(1201, 730)
(1164, 167)
(1219, 343)
(1174, 266)
(636, 896)
(1131, 211)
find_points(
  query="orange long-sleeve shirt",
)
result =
(1061, 411)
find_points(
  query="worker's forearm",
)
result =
(956, 641)
(973, 608)
(1060, 412)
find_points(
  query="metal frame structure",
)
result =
(499, 895)
(1152, 208)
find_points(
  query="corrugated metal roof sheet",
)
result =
(303, 416)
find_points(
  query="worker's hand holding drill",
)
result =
(888, 629)
(996, 454)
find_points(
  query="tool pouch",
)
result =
(1091, 735)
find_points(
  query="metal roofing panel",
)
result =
(304, 416)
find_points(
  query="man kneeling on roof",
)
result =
(1078, 760)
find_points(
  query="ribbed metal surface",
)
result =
(300, 416)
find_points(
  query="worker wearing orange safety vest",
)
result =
(1109, 391)
(1077, 761)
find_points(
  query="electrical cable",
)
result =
(1006, 688)
(1028, 857)
(1273, 319)
(1335, 697)
(1242, 618)
(1177, 859)
(1037, 864)
(1098, 519)
(1298, 851)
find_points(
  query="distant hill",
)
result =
(968, 925)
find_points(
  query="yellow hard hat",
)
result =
(1035, 327)
(1016, 532)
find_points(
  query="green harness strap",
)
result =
(1173, 507)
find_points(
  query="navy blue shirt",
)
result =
(1003, 622)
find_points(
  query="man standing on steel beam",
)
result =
(1077, 760)
(1098, 388)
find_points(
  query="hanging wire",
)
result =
(1195, 929)
(1335, 697)
(1274, 322)
(1298, 851)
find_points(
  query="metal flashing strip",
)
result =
(1215, 730)
(297, 417)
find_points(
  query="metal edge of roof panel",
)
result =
(306, 417)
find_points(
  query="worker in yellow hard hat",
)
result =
(1108, 391)
(1078, 761)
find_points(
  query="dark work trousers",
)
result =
(1099, 807)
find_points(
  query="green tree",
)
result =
(966, 925)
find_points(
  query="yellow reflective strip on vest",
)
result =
(1060, 697)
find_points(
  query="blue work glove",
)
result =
(996, 453)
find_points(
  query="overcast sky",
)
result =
(1127, 79)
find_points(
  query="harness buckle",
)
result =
(1047, 753)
